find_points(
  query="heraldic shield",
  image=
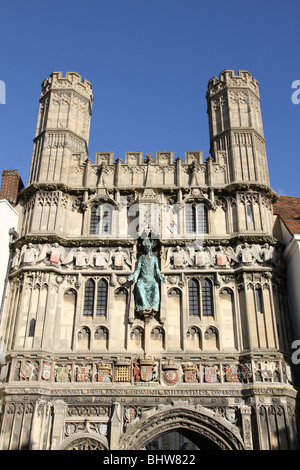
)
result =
(146, 368)
(103, 373)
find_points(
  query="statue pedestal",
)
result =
(147, 315)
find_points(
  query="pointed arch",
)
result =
(205, 425)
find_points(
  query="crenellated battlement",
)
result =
(72, 80)
(163, 158)
(237, 145)
(141, 170)
(228, 78)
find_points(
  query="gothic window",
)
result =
(194, 301)
(202, 219)
(101, 220)
(200, 297)
(259, 300)
(31, 327)
(89, 295)
(249, 213)
(190, 218)
(106, 222)
(196, 219)
(101, 297)
(95, 298)
(207, 300)
(95, 219)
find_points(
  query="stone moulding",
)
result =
(181, 415)
(97, 241)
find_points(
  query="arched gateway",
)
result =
(206, 429)
(199, 426)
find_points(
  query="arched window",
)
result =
(95, 298)
(95, 219)
(101, 298)
(89, 295)
(194, 303)
(190, 218)
(31, 327)
(207, 298)
(101, 219)
(106, 220)
(200, 290)
(250, 213)
(259, 300)
(202, 218)
(196, 218)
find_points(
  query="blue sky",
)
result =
(149, 62)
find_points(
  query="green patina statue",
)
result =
(147, 295)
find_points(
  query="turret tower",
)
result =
(235, 126)
(63, 127)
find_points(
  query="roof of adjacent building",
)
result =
(288, 208)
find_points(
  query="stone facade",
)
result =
(83, 368)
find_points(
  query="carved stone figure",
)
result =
(16, 260)
(178, 257)
(99, 258)
(30, 254)
(203, 257)
(147, 297)
(121, 256)
(81, 258)
(57, 253)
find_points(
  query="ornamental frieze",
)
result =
(146, 369)
(199, 256)
(117, 258)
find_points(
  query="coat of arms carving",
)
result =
(122, 371)
(211, 374)
(170, 373)
(82, 374)
(190, 372)
(46, 371)
(62, 374)
(103, 373)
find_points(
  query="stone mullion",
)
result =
(246, 426)
(10, 311)
(249, 329)
(59, 414)
(272, 305)
(237, 316)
